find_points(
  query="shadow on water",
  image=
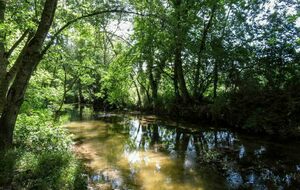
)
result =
(141, 152)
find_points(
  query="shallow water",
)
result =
(145, 152)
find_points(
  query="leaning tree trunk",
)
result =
(30, 58)
(14, 101)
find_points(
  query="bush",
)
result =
(42, 157)
(38, 133)
(266, 110)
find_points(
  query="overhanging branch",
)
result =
(50, 43)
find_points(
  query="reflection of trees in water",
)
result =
(256, 169)
(223, 150)
(242, 165)
(154, 135)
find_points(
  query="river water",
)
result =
(146, 152)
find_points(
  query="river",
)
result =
(126, 151)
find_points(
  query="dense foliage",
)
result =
(42, 157)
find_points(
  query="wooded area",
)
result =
(235, 62)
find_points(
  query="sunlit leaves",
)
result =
(117, 81)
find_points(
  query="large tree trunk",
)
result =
(3, 59)
(80, 95)
(153, 82)
(176, 88)
(178, 70)
(13, 104)
(30, 58)
(4, 83)
(154, 75)
(180, 75)
(139, 103)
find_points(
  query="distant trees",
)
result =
(215, 50)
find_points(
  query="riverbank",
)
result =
(269, 122)
(203, 116)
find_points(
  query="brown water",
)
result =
(144, 152)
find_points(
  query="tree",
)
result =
(14, 79)
(27, 61)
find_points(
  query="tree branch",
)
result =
(117, 36)
(50, 43)
(16, 66)
(206, 29)
(17, 43)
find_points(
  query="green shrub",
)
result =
(38, 133)
(42, 157)
(272, 111)
(218, 108)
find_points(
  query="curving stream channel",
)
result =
(145, 152)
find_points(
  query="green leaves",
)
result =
(117, 82)
(36, 132)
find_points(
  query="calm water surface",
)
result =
(144, 152)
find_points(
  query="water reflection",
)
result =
(142, 153)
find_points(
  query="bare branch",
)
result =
(117, 36)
